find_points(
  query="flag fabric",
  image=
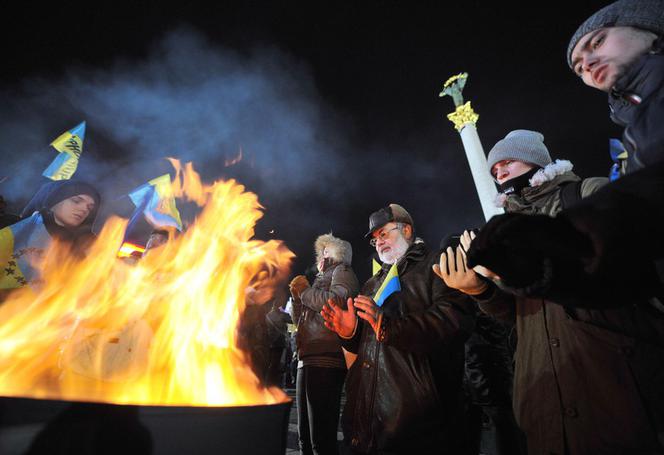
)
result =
(375, 267)
(69, 146)
(155, 200)
(619, 158)
(21, 245)
(391, 284)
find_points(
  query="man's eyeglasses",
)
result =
(382, 235)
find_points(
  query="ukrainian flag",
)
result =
(156, 201)
(375, 266)
(391, 284)
(21, 246)
(69, 146)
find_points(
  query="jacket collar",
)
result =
(644, 77)
(415, 253)
(545, 181)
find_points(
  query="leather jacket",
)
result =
(404, 391)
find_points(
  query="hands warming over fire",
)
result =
(344, 321)
(454, 271)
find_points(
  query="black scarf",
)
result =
(516, 184)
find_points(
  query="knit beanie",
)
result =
(521, 145)
(643, 14)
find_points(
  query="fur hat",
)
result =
(644, 14)
(522, 145)
(340, 251)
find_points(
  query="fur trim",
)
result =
(546, 174)
(551, 171)
(500, 200)
(340, 250)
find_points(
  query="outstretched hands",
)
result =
(454, 271)
(339, 320)
(344, 322)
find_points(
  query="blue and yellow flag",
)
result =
(391, 284)
(156, 201)
(619, 158)
(375, 267)
(21, 246)
(69, 146)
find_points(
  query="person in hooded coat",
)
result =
(321, 366)
(64, 210)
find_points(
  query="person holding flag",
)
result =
(408, 330)
(64, 210)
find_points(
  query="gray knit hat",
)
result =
(643, 14)
(521, 145)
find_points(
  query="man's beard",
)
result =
(396, 251)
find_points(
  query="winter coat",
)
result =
(637, 103)
(586, 379)
(338, 282)
(543, 196)
(404, 391)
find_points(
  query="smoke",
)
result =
(194, 100)
(189, 99)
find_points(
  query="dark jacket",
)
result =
(404, 392)
(585, 379)
(637, 103)
(337, 282)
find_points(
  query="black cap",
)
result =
(393, 212)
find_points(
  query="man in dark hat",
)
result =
(404, 389)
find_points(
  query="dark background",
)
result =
(334, 105)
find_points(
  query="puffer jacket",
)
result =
(585, 378)
(637, 103)
(337, 281)
(404, 391)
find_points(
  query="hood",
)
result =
(340, 250)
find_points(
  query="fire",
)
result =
(127, 249)
(162, 331)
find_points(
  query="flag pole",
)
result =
(464, 119)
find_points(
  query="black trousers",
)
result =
(318, 397)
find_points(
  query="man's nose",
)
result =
(588, 61)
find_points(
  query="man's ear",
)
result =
(408, 231)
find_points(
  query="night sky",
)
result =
(335, 106)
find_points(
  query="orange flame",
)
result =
(127, 249)
(162, 331)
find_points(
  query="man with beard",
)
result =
(404, 390)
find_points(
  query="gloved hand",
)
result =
(520, 248)
(297, 285)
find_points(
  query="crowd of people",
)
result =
(540, 333)
(568, 283)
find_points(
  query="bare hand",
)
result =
(466, 239)
(339, 320)
(369, 311)
(454, 271)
